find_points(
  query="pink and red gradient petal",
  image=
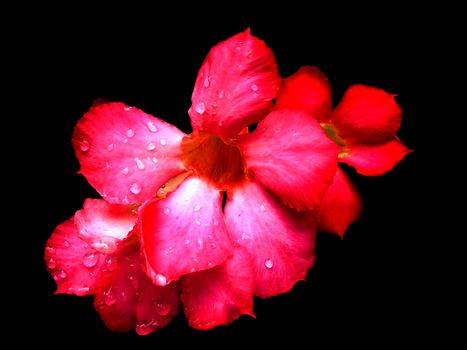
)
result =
(219, 295)
(184, 232)
(308, 90)
(126, 154)
(280, 240)
(290, 154)
(372, 160)
(235, 86)
(341, 206)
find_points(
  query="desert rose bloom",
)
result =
(169, 189)
(364, 125)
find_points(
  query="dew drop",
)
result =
(161, 280)
(210, 264)
(62, 274)
(130, 133)
(110, 147)
(135, 188)
(268, 264)
(187, 242)
(150, 146)
(262, 207)
(245, 236)
(197, 207)
(84, 145)
(254, 87)
(139, 164)
(152, 127)
(216, 223)
(206, 82)
(112, 263)
(109, 297)
(213, 244)
(200, 108)
(221, 94)
(125, 171)
(90, 260)
(154, 160)
(50, 250)
(200, 244)
(51, 263)
(81, 291)
(169, 250)
(144, 327)
(127, 108)
(66, 243)
(197, 222)
(238, 48)
(255, 95)
(163, 142)
(162, 308)
(166, 211)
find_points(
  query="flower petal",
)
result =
(280, 240)
(74, 265)
(219, 295)
(126, 154)
(307, 89)
(126, 298)
(184, 232)
(375, 160)
(235, 86)
(367, 115)
(291, 155)
(103, 225)
(341, 205)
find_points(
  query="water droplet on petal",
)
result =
(84, 145)
(238, 48)
(126, 108)
(197, 207)
(112, 263)
(135, 188)
(197, 222)
(262, 207)
(200, 244)
(200, 108)
(150, 146)
(110, 147)
(255, 95)
(245, 236)
(109, 297)
(152, 127)
(144, 327)
(166, 211)
(254, 87)
(216, 223)
(50, 250)
(268, 264)
(221, 94)
(169, 250)
(81, 291)
(154, 160)
(66, 243)
(139, 164)
(125, 171)
(130, 133)
(213, 244)
(206, 82)
(51, 263)
(163, 142)
(187, 242)
(62, 274)
(210, 264)
(90, 260)
(162, 308)
(160, 280)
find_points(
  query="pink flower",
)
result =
(163, 214)
(363, 124)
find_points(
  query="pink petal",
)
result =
(290, 154)
(125, 298)
(74, 265)
(307, 89)
(235, 86)
(280, 240)
(367, 115)
(103, 225)
(126, 154)
(219, 295)
(184, 232)
(340, 206)
(375, 159)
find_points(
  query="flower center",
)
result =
(213, 159)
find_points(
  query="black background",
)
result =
(361, 288)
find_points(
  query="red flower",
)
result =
(363, 124)
(172, 186)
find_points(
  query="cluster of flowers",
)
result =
(212, 219)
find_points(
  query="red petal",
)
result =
(307, 89)
(340, 206)
(126, 154)
(125, 297)
(74, 265)
(185, 232)
(366, 115)
(280, 240)
(103, 225)
(290, 154)
(219, 295)
(235, 86)
(375, 159)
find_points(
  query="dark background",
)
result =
(361, 288)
